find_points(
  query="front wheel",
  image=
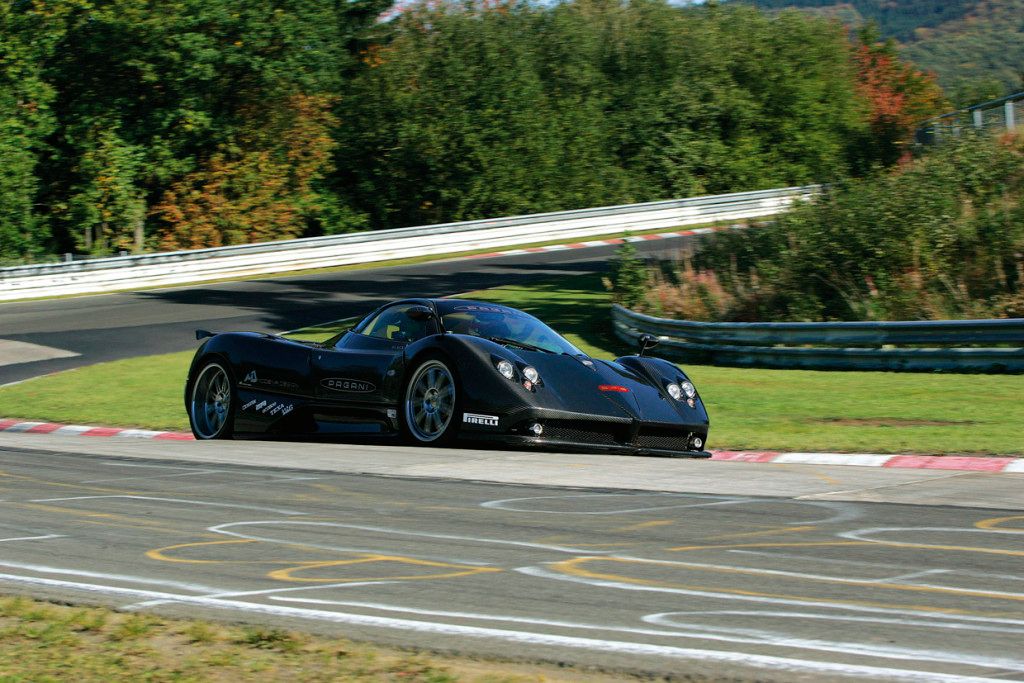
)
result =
(211, 406)
(430, 400)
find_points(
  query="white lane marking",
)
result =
(13, 352)
(274, 478)
(739, 597)
(881, 565)
(220, 529)
(153, 476)
(118, 463)
(818, 577)
(183, 501)
(268, 591)
(506, 504)
(31, 538)
(126, 578)
(479, 617)
(749, 636)
(785, 664)
(913, 575)
(843, 512)
(930, 622)
(860, 534)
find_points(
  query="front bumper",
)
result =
(564, 430)
(541, 443)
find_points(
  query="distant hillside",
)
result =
(976, 47)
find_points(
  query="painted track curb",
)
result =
(607, 242)
(27, 427)
(964, 463)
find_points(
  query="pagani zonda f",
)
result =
(436, 370)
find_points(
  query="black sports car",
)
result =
(434, 370)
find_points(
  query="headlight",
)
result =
(688, 389)
(674, 391)
(506, 369)
(530, 373)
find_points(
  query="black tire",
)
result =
(430, 403)
(212, 399)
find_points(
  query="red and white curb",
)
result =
(928, 462)
(85, 430)
(610, 241)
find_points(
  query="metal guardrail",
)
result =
(147, 270)
(1005, 113)
(836, 346)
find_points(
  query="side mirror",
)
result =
(647, 341)
(419, 313)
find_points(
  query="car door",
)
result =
(366, 364)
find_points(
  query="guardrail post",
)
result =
(976, 116)
(68, 258)
(1008, 115)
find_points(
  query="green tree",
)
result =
(108, 205)
(29, 32)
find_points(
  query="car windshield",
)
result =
(503, 325)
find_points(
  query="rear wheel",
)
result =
(430, 403)
(211, 407)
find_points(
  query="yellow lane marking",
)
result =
(294, 566)
(996, 523)
(646, 525)
(572, 568)
(149, 528)
(891, 544)
(954, 548)
(124, 519)
(160, 554)
(61, 484)
(766, 532)
(459, 570)
(814, 473)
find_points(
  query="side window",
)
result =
(394, 325)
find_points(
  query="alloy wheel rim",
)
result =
(211, 401)
(430, 401)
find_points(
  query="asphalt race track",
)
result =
(124, 325)
(811, 583)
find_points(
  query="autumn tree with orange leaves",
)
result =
(263, 193)
(898, 95)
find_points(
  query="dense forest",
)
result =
(976, 47)
(128, 126)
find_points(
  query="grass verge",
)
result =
(791, 410)
(41, 641)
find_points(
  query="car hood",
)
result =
(585, 384)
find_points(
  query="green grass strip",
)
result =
(44, 642)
